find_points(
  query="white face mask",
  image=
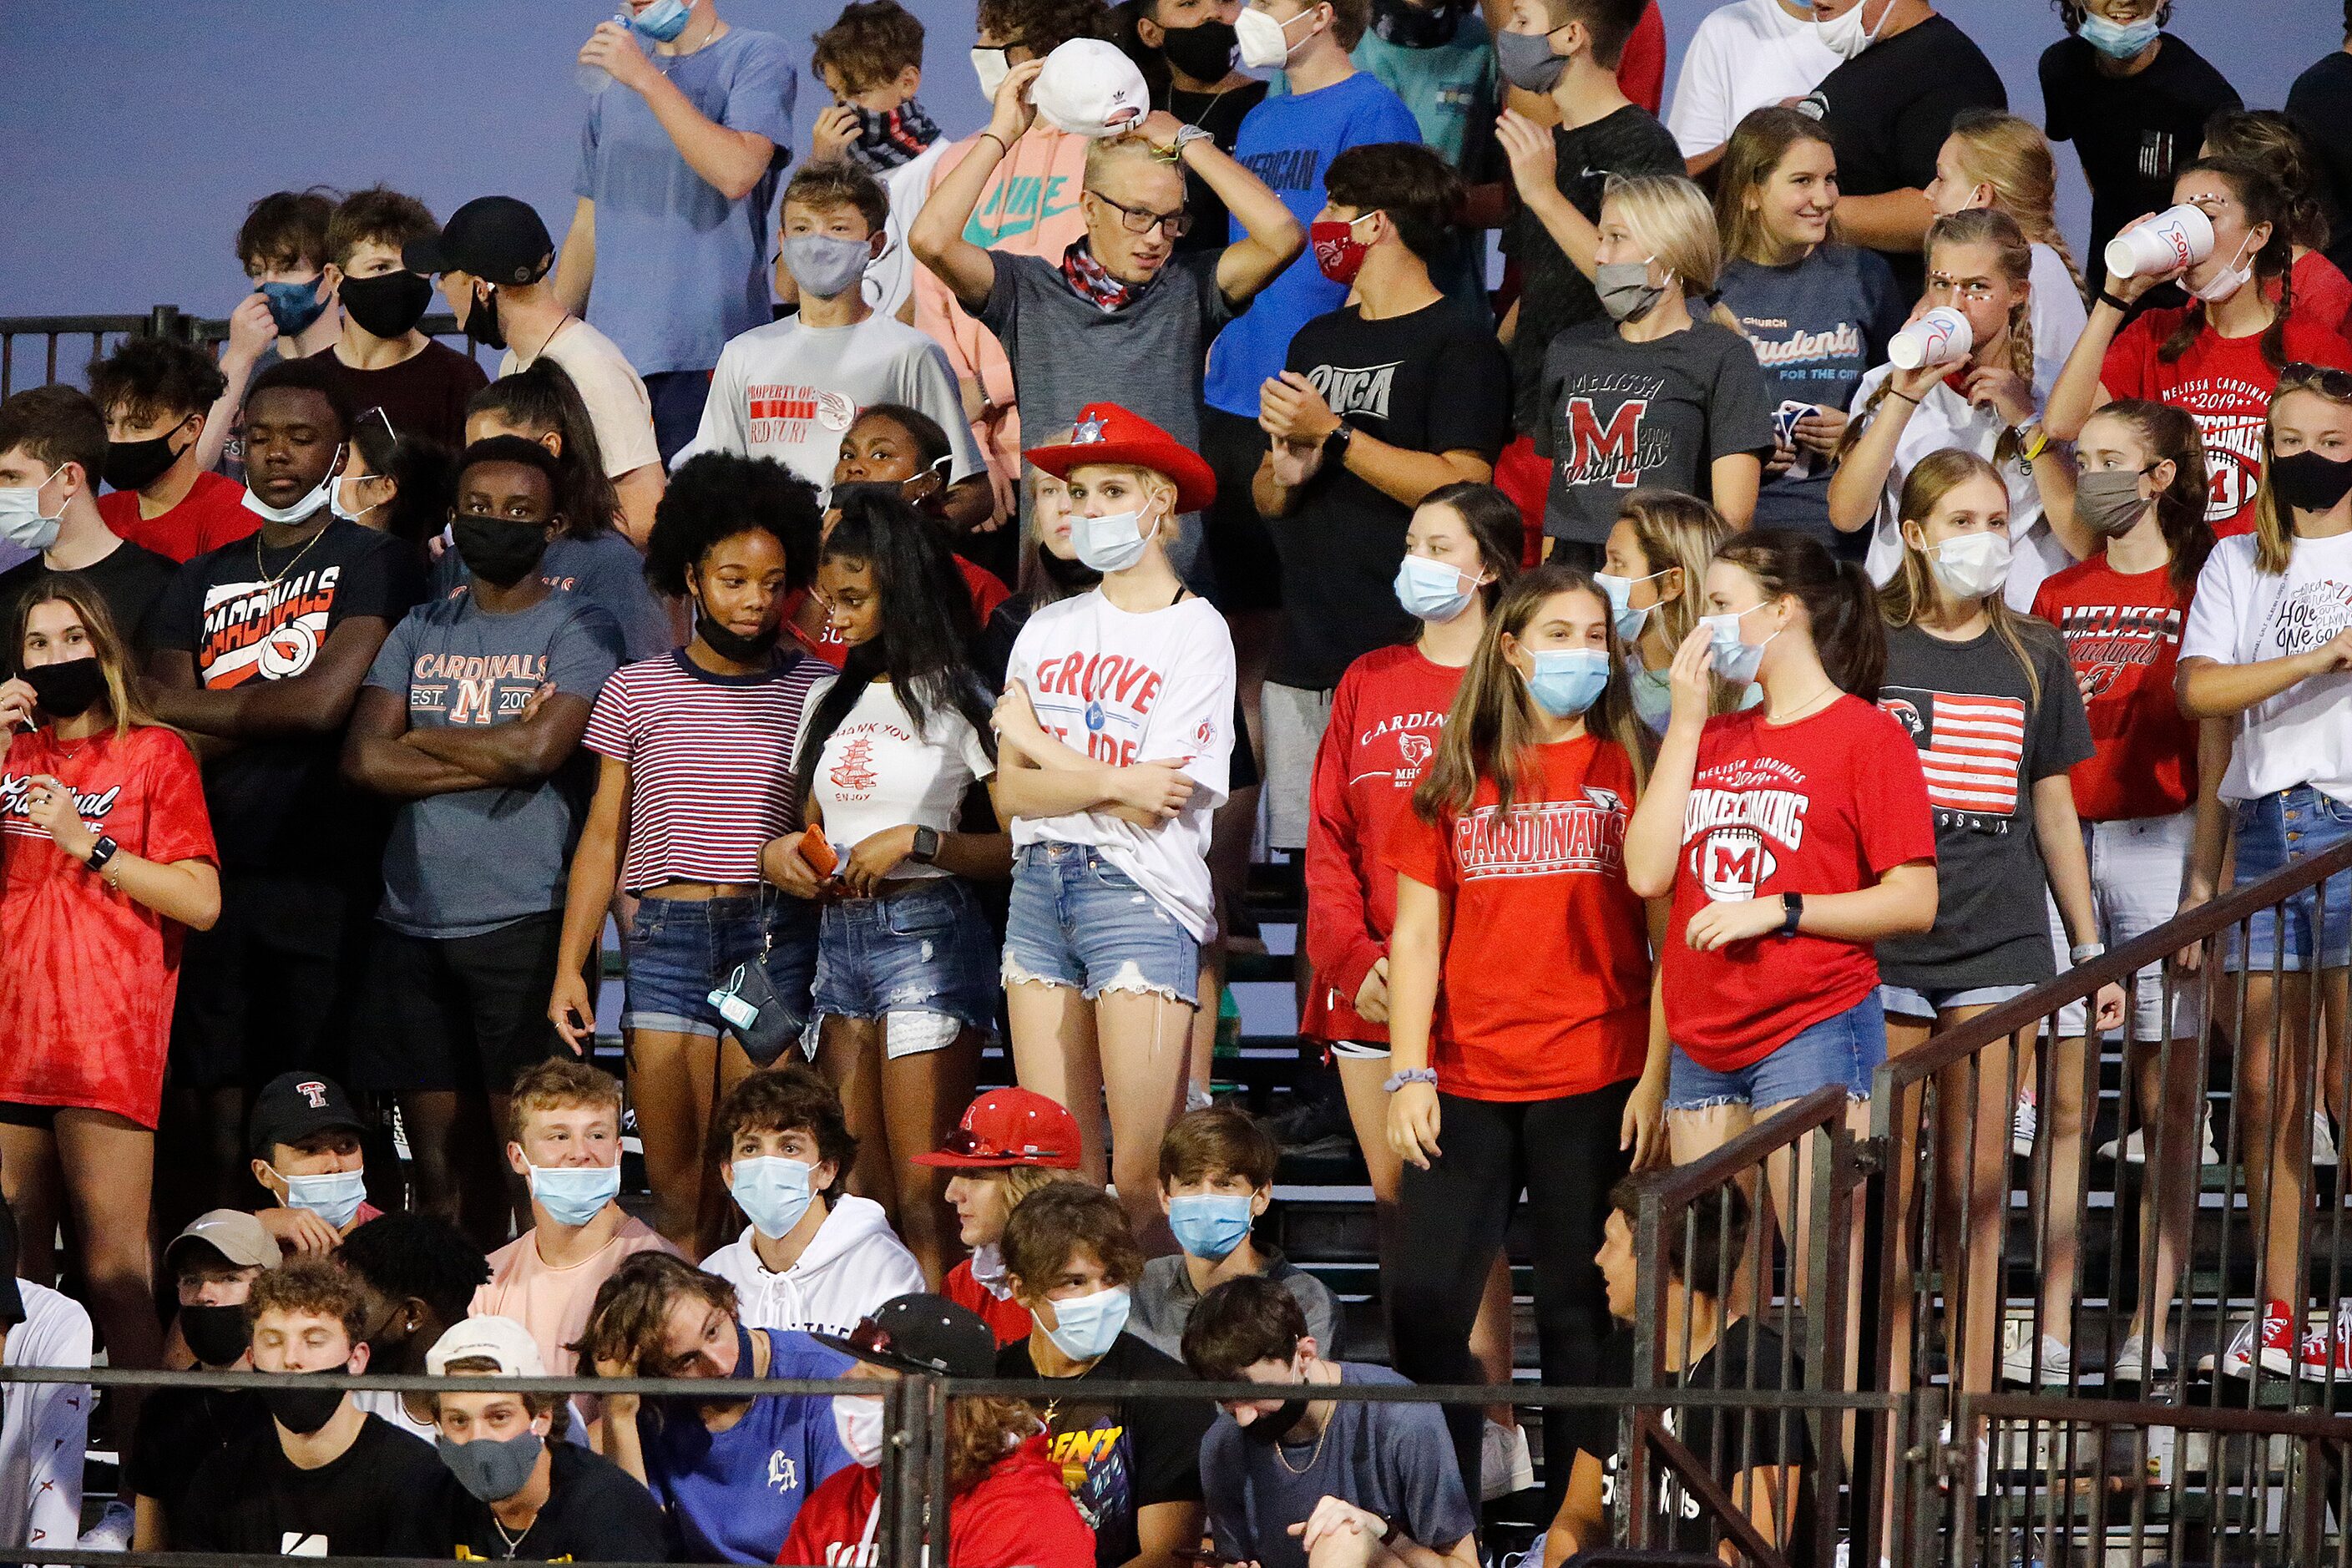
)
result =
(1112, 543)
(1846, 37)
(1265, 42)
(349, 511)
(1971, 565)
(2227, 280)
(22, 521)
(858, 1421)
(320, 496)
(991, 66)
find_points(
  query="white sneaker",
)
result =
(2131, 1363)
(2135, 1148)
(2017, 1364)
(112, 1531)
(2020, 1126)
(2322, 1140)
(1505, 1463)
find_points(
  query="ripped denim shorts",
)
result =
(1077, 919)
(918, 959)
(1844, 1048)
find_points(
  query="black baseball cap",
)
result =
(921, 1333)
(496, 238)
(294, 1105)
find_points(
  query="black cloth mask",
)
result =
(389, 305)
(218, 1335)
(66, 690)
(135, 465)
(482, 322)
(1269, 1430)
(732, 645)
(301, 1406)
(2310, 481)
(498, 553)
(1203, 52)
(1412, 26)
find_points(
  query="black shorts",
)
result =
(457, 1013)
(1240, 545)
(16, 1113)
(273, 986)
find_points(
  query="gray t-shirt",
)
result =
(1985, 738)
(1392, 1459)
(1618, 417)
(1164, 1301)
(471, 861)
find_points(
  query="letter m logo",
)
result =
(1610, 451)
(474, 701)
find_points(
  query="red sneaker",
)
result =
(2281, 1351)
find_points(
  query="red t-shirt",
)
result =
(1385, 717)
(2226, 386)
(2321, 288)
(1018, 1513)
(987, 592)
(213, 513)
(2123, 637)
(87, 975)
(1642, 68)
(1545, 989)
(1826, 805)
(1008, 1318)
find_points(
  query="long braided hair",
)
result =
(2013, 157)
(2014, 254)
(2263, 201)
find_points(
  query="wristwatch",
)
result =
(927, 845)
(1335, 444)
(1792, 907)
(100, 853)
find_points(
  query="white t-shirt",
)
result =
(2057, 317)
(1744, 55)
(1127, 688)
(2304, 735)
(878, 772)
(891, 277)
(790, 391)
(46, 1426)
(1944, 418)
(619, 409)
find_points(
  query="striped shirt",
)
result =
(710, 762)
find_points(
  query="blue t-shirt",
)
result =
(1816, 327)
(607, 571)
(473, 860)
(679, 268)
(1288, 142)
(731, 1495)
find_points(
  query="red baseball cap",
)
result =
(1106, 433)
(1007, 1127)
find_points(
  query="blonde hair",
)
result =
(2013, 157)
(1668, 216)
(2014, 256)
(106, 644)
(1912, 590)
(2274, 524)
(1676, 530)
(1760, 140)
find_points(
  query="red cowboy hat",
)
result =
(1106, 433)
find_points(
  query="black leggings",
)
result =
(1452, 1219)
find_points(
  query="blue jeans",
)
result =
(1844, 1048)
(921, 958)
(1905, 1002)
(2274, 832)
(1078, 921)
(680, 950)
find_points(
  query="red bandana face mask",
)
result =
(1338, 251)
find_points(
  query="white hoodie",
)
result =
(855, 1263)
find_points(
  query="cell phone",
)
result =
(818, 853)
(1208, 1558)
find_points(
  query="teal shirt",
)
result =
(1454, 93)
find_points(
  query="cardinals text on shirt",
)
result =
(265, 631)
(1542, 837)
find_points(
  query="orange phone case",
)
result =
(818, 853)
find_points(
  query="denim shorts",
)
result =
(1076, 920)
(1844, 1048)
(2274, 832)
(680, 950)
(921, 958)
(1903, 1002)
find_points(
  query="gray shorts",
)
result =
(1292, 721)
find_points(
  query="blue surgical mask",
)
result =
(1088, 1326)
(1209, 1225)
(2117, 40)
(1653, 695)
(574, 1195)
(294, 306)
(773, 1192)
(1431, 590)
(1568, 681)
(335, 1198)
(1733, 659)
(1628, 620)
(664, 20)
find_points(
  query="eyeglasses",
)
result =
(1143, 220)
(962, 1141)
(2328, 382)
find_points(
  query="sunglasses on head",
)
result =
(2328, 381)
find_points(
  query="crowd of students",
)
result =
(893, 583)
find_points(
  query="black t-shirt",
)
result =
(1750, 1355)
(1890, 109)
(247, 612)
(423, 394)
(1429, 381)
(129, 578)
(1220, 114)
(179, 1430)
(2321, 103)
(2132, 131)
(251, 1498)
(1117, 1457)
(596, 1512)
(1554, 295)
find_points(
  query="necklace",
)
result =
(262, 572)
(1312, 1459)
(514, 1542)
(562, 322)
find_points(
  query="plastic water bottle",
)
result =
(594, 79)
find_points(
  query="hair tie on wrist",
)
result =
(1897, 391)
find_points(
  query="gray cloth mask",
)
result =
(1625, 290)
(2109, 501)
(492, 1469)
(823, 265)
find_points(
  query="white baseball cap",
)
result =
(1089, 88)
(501, 1339)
